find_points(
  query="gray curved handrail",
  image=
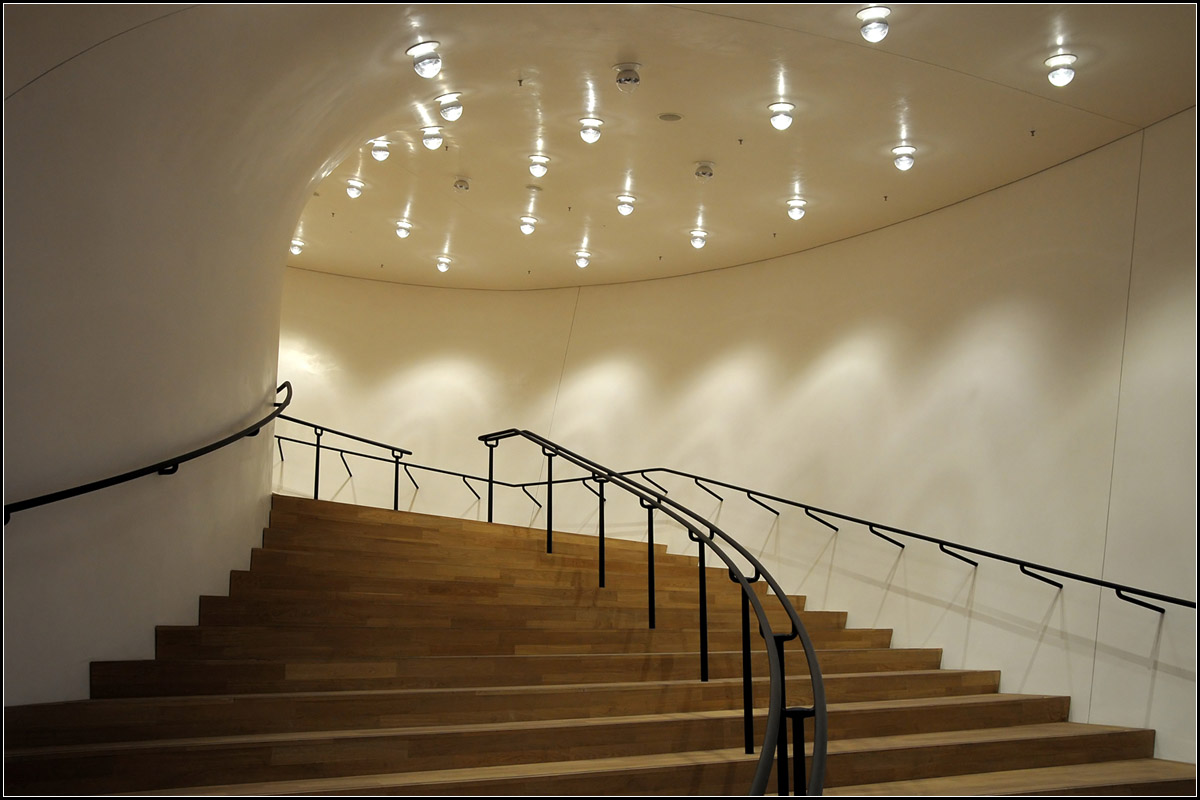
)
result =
(166, 467)
(694, 526)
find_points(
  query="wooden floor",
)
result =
(378, 652)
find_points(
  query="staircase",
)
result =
(379, 652)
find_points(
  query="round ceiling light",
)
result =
(426, 62)
(625, 204)
(296, 247)
(875, 27)
(795, 208)
(904, 157)
(528, 225)
(403, 228)
(1060, 69)
(354, 188)
(781, 115)
(538, 166)
(699, 238)
(431, 138)
(582, 258)
(590, 132)
(443, 263)
(379, 149)
(451, 108)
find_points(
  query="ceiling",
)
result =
(965, 84)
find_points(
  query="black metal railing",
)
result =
(709, 536)
(166, 467)
(952, 549)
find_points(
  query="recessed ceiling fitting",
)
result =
(628, 77)
(451, 107)
(426, 62)
(354, 188)
(1061, 72)
(875, 27)
(670, 117)
(379, 149)
(904, 157)
(795, 208)
(704, 170)
(590, 132)
(462, 185)
(781, 115)
(538, 166)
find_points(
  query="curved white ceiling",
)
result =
(964, 84)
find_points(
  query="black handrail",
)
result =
(168, 467)
(942, 544)
(705, 533)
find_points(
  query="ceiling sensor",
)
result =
(627, 76)
(704, 170)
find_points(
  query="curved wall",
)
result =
(156, 161)
(1012, 372)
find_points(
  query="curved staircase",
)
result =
(380, 652)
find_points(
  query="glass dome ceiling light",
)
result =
(904, 157)
(528, 225)
(795, 208)
(875, 28)
(296, 247)
(426, 62)
(699, 237)
(451, 107)
(403, 228)
(354, 188)
(537, 166)
(1060, 69)
(582, 258)
(379, 149)
(590, 132)
(431, 138)
(625, 204)
(443, 263)
(781, 115)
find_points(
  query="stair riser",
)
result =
(467, 616)
(309, 643)
(428, 749)
(548, 574)
(433, 592)
(132, 720)
(150, 678)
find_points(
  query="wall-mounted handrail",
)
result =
(1122, 591)
(167, 467)
(706, 535)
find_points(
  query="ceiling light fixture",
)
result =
(1060, 69)
(403, 228)
(451, 108)
(537, 166)
(628, 77)
(354, 188)
(379, 149)
(625, 204)
(699, 237)
(582, 258)
(875, 28)
(443, 263)
(795, 208)
(431, 138)
(781, 115)
(528, 225)
(904, 157)
(426, 62)
(590, 132)
(296, 247)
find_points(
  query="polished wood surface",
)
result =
(368, 652)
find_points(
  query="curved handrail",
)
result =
(168, 467)
(680, 513)
(942, 544)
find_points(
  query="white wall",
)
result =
(1011, 372)
(156, 161)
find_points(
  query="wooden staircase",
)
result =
(380, 652)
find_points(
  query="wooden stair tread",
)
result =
(1115, 777)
